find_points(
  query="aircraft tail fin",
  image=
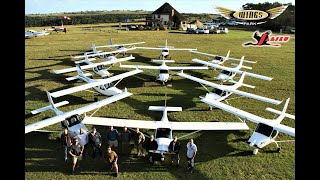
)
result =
(228, 54)
(240, 82)
(240, 63)
(110, 41)
(52, 106)
(163, 108)
(166, 43)
(94, 49)
(282, 113)
(79, 70)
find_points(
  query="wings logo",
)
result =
(265, 39)
(251, 17)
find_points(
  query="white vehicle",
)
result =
(164, 75)
(222, 92)
(228, 73)
(67, 118)
(223, 30)
(165, 50)
(219, 59)
(98, 68)
(163, 128)
(202, 31)
(122, 47)
(33, 33)
(267, 129)
(102, 86)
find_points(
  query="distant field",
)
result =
(221, 155)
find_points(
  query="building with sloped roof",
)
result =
(165, 16)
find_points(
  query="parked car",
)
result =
(191, 30)
(223, 30)
(202, 31)
(293, 30)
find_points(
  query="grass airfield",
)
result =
(221, 154)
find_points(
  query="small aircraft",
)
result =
(70, 119)
(222, 92)
(33, 33)
(104, 55)
(164, 69)
(228, 73)
(57, 29)
(220, 59)
(267, 129)
(165, 50)
(102, 86)
(98, 68)
(123, 47)
(163, 128)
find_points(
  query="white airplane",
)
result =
(228, 73)
(57, 29)
(267, 129)
(165, 50)
(104, 55)
(222, 92)
(220, 59)
(70, 119)
(164, 69)
(123, 47)
(163, 128)
(98, 68)
(103, 86)
(33, 33)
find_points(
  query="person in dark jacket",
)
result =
(66, 142)
(174, 149)
(151, 145)
(95, 142)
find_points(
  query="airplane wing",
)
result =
(152, 48)
(232, 70)
(182, 49)
(129, 44)
(229, 89)
(61, 117)
(243, 60)
(197, 52)
(115, 45)
(100, 54)
(140, 67)
(209, 126)
(94, 65)
(120, 122)
(94, 84)
(174, 125)
(251, 117)
(186, 67)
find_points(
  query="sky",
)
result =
(182, 6)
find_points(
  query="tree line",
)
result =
(49, 20)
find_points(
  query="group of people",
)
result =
(76, 147)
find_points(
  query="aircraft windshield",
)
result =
(164, 71)
(163, 133)
(264, 129)
(218, 91)
(165, 50)
(108, 85)
(219, 58)
(100, 67)
(226, 72)
(71, 121)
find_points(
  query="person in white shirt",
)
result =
(191, 153)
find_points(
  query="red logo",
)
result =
(265, 39)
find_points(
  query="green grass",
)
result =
(221, 155)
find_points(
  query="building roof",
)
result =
(166, 8)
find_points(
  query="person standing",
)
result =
(174, 149)
(111, 158)
(151, 145)
(76, 153)
(112, 137)
(191, 153)
(83, 141)
(95, 142)
(125, 141)
(139, 140)
(66, 142)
